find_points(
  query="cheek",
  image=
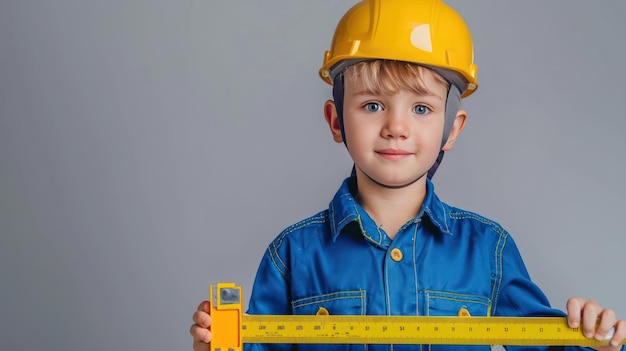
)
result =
(354, 140)
(428, 131)
(353, 130)
(435, 137)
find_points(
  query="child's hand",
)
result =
(202, 321)
(586, 314)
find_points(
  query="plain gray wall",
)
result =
(151, 148)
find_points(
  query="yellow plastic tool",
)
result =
(231, 328)
(226, 317)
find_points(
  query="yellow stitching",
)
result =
(499, 248)
(448, 293)
(459, 300)
(444, 295)
(282, 272)
(320, 218)
(355, 294)
(469, 215)
(322, 301)
(496, 290)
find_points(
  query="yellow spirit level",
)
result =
(230, 328)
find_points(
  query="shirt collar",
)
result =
(344, 209)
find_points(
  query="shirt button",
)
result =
(396, 255)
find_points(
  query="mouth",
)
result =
(393, 154)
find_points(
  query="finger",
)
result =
(200, 346)
(204, 306)
(620, 333)
(607, 321)
(202, 318)
(574, 311)
(591, 311)
(200, 334)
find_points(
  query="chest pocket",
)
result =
(442, 303)
(350, 302)
(353, 302)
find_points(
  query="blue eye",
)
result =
(421, 109)
(372, 107)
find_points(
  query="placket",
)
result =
(400, 271)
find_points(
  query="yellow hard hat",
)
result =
(426, 32)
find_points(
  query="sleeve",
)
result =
(270, 294)
(520, 296)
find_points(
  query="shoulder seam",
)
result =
(273, 248)
(471, 215)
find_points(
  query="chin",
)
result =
(398, 183)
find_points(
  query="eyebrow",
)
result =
(368, 92)
(364, 92)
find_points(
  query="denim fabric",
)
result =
(440, 262)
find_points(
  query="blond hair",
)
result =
(382, 77)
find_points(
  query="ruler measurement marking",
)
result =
(411, 330)
(231, 328)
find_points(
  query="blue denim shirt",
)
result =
(441, 262)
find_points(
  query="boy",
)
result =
(387, 245)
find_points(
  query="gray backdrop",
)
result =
(150, 148)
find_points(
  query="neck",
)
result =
(390, 207)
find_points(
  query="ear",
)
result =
(330, 114)
(457, 127)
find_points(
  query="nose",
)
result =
(395, 125)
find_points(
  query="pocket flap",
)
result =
(442, 303)
(350, 302)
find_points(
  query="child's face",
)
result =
(394, 138)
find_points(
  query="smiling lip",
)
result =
(393, 154)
